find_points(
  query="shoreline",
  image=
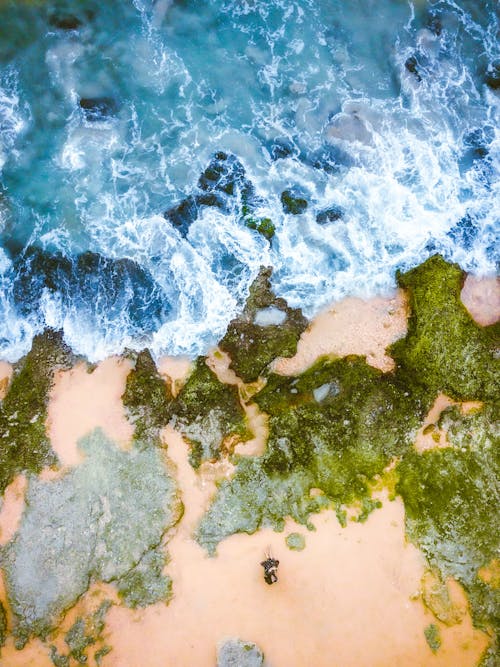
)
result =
(222, 597)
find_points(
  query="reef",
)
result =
(97, 522)
(25, 446)
(266, 329)
(209, 414)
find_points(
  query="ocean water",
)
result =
(383, 115)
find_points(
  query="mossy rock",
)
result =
(295, 542)
(293, 203)
(3, 625)
(264, 226)
(252, 346)
(23, 413)
(86, 632)
(336, 441)
(208, 412)
(450, 498)
(433, 637)
(147, 398)
(444, 349)
(146, 584)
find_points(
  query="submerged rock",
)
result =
(492, 77)
(330, 214)
(95, 523)
(237, 653)
(253, 346)
(98, 108)
(411, 64)
(292, 202)
(65, 21)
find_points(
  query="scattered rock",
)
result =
(98, 108)
(492, 77)
(411, 65)
(435, 25)
(329, 215)
(292, 202)
(282, 148)
(237, 653)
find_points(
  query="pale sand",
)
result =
(481, 297)
(437, 436)
(80, 401)
(5, 376)
(351, 326)
(11, 508)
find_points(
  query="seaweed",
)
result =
(147, 398)
(23, 413)
(208, 412)
(450, 496)
(336, 441)
(444, 349)
(252, 346)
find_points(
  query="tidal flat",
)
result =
(361, 449)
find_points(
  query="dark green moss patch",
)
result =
(3, 625)
(145, 584)
(451, 500)
(208, 412)
(23, 413)
(264, 226)
(252, 346)
(147, 398)
(293, 203)
(445, 350)
(433, 637)
(333, 428)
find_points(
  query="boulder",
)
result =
(329, 214)
(98, 108)
(237, 653)
(293, 202)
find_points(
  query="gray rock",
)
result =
(237, 653)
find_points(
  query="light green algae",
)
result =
(96, 523)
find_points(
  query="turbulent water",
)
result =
(383, 115)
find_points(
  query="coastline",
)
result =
(354, 592)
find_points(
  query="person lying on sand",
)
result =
(270, 566)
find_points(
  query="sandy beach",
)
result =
(353, 597)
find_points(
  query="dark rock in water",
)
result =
(411, 65)
(292, 202)
(65, 22)
(184, 214)
(237, 653)
(329, 215)
(464, 232)
(223, 174)
(98, 108)
(282, 148)
(116, 285)
(435, 25)
(492, 77)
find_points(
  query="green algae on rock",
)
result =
(444, 349)
(145, 583)
(265, 330)
(23, 413)
(95, 523)
(451, 499)
(208, 412)
(433, 637)
(146, 398)
(3, 626)
(86, 632)
(295, 541)
(333, 428)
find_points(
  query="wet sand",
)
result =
(481, 297)
(80, 401)
(352, 597)
(352, 326)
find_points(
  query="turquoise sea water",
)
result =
(382, 115)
